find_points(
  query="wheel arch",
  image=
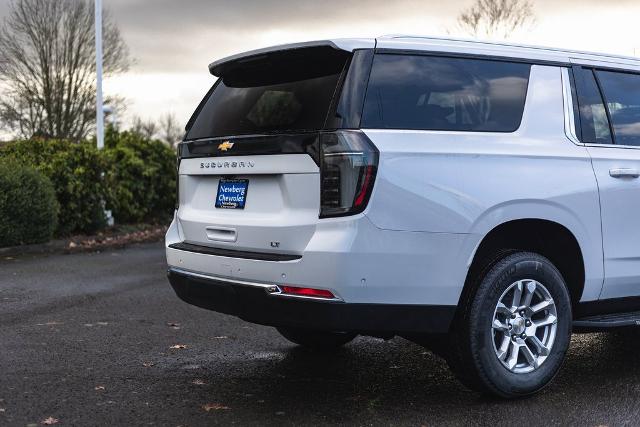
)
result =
(547, 237)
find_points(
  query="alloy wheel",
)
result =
(524, 326)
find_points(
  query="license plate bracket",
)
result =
(232, 193)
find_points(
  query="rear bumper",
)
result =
(252, 302)
(349, 256)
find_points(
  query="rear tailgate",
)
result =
(253, 146)
(281, 206)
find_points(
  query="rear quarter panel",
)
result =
(470, 182)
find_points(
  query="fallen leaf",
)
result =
(147, 364)
(215, 407)
(50, 421)
(178, 346)
(173, 324)
(102, 323)
(72, 244)
(280, 413)
(221, 337)
(198, 381)
(2, 409)
(99, 387)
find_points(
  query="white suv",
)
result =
(479, 199)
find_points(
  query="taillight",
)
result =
(306, 292)
(349, 162)
(178, 159)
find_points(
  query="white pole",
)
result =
(99, 102)
(99, 106)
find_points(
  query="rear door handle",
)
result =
(624, 173)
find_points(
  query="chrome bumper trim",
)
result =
(272, 289)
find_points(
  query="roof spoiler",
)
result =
(217, 68)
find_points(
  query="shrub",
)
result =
(75, 170)
(28, 205)
(140, 177)
(133, 176)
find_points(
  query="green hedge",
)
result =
(140, 177)
(133, 176)
(75, 169)
(28, 205)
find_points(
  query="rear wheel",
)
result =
(511, 335)
(319, 340)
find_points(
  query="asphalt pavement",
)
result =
(101, 339)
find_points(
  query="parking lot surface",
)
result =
(101, 339)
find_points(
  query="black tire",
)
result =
(472, 355)
(318, 340)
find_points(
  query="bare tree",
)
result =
(496, 18)
(170, 131)
(47, 67)
(166, 129)
(146, 128)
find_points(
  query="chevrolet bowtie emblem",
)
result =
(225, 146)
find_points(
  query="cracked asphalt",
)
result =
(86, 339)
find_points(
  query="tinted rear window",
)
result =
(276, 93)
(593, 116)
(437, 93)
(622, 93)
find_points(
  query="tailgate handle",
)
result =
(221, 234)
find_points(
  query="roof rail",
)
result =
(507, 44)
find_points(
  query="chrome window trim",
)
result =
(272, 289)
(569, 118)
(624, 147)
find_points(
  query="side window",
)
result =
(438, 93)
(593, 116)
(622, 94)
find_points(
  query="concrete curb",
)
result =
(54, 246)
(85, 243)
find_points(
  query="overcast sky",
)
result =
(173, 41)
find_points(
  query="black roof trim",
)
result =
(472, 55)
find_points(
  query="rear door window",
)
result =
(289, 91)
(622, 94)
(439, 93)
(593, 115)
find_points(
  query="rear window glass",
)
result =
(593, 116)
(277, 93)
(437, 93)
(622, 93)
